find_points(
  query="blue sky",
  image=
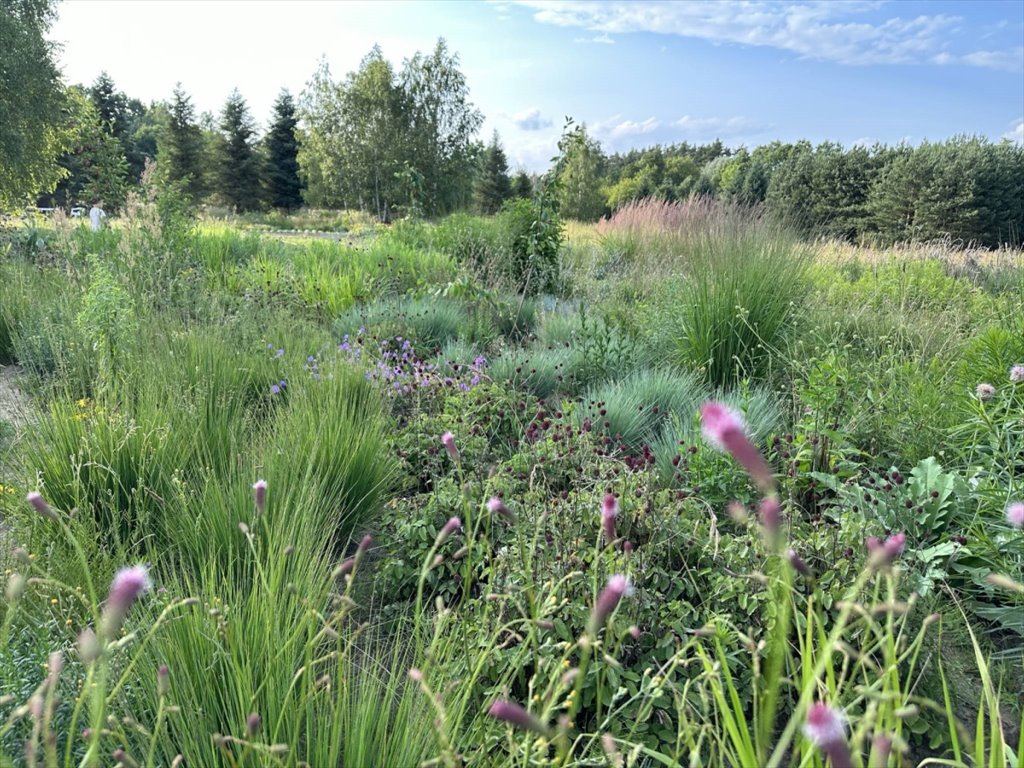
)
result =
(636, 72)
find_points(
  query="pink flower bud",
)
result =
(365, 543)
(259, 492)
(724, 428)
(449, 443)
(512, 713)
(609, 511)
(163, 682)
(770, 513)
(618, 587)
(39, 505)
(448, 529)
(825, 728)
(1015, 514)
(253, 723)
(128, 585)
(497, 507)
(883, 553)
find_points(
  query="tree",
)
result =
(181, 149)
(492, 187)
(522, 185)
(238, 172)
(35, 127)
(579, 172)
(284, 188)
(121, 117)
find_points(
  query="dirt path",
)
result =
(14, 406)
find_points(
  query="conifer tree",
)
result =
(181, 147)
(283, 185)
(522, 186)
(492, 187)
(238, 177)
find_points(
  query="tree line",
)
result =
(404, 140)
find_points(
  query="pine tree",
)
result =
(522, 185)
(492, 187)
(283, 184)
(238, 178)
(181, 149)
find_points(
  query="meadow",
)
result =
(676, 488)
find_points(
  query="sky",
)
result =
(635, 72)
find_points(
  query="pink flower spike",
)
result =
(259, 492)
(826, 729)
(609, 511)
(770, 512)
(512, 713)
(497, 507)
(449, 443)
(128, 585)
(618, 587)
(447, 530)
(724, 428)
(1015, 514)
(39, 505)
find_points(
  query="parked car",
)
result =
(77, 212)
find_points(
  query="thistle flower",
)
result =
(1017, 373)
(497, 507)
(609, 511)
(826, 729)
(128, 585)
(1015, 514)
(985, 391)
(449, 443)
(618, 587)
(725, 430)
(512, 713)
(259, 492)
(39, 505)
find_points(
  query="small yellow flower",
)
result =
(53, 601)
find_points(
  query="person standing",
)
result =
(96, 214)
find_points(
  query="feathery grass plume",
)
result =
(15, 588)
(497, 506)
(609, 511)
(725, 429)
(826, 729)
(259, 492)
(39, 505)
(449, 443)
(512, 713)
(89, 648)
(1015, 514)
(129, 583)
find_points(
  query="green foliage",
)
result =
(238, 178)
(33, 131)
(284, 188)
(492, 186)
(578, 170)
(181, 150)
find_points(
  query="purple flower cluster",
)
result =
(402, 372)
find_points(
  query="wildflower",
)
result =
(770, 512)
(275, 389)
(985, 391)
(609, 511)
(39, 505)
(512, 713)
(259, 492)
(253, 723)
(448, 529)
(618, 587)
(1017, 373)
(883, 553)
(798, 564)
(128, 585)
(1015, 514)
(449, 443)
(163, 684)
(497, 506)
(724, 428)
(826, 729)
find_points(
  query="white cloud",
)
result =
(1016, 133)
(814, 29)
(718, 127)
(633, 128)
(604, 39)
(530, 120)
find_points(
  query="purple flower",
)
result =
(449, 443)
(826, 729)
(275, 389)
(618, 587)
(1017, 374)
(497, 506)
(128, 585)
(724, 428)
(1015, 514)
(512, 713)
(39, 505)
(985, 391)
(259, 492)
(609, 511)
(883, 553)
(279, 353)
